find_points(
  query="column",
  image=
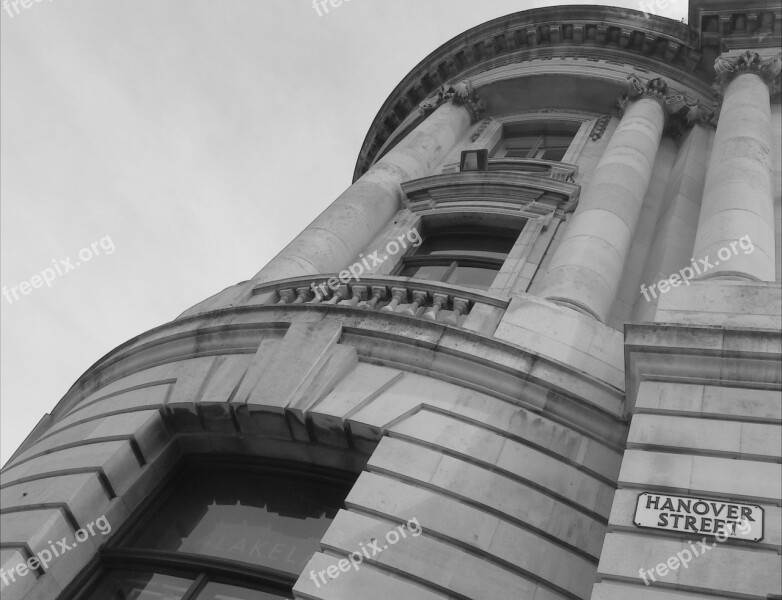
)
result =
(677, 221)
(737, 206)
(335, 238)
(586, 268)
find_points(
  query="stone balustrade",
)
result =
(432, 301)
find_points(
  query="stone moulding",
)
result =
(465, 358)
(533, 193)
(710, 355)
(599, 127)
(593, 30)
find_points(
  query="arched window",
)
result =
(221, 531)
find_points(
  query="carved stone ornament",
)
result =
(460, 94)
(727, 68)
(599, 127)
(681, 110)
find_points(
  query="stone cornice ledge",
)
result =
(499, 181)
(599, 31)
(702, 354)
(491, 366)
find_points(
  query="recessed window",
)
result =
(469, 257)
(136, 585)
(264, 519)
(227, 533)
(545, 140)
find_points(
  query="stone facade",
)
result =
(517, 423)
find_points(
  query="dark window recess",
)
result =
(537, 139)
(227, 532)
(266, 520)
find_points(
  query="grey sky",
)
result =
(199, 135)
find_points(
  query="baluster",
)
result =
(359, 294)
(316, 299)
(304, 294)
(339, 295)
(460, 306)
(318, 295)
(398, 296)
(287, 296)
(378, 294)
(438, 302)
(419, 300)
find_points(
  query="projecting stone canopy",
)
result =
(728, 67)
(681, 111)
(460, 94)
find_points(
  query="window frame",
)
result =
(500, 149)
(457, 259)
(115, 555)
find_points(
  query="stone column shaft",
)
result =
(335, 238)
(588, 264)
(738, 198)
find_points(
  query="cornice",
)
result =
(498, 368)
(608, 33)
(750, 24)
(531, 193)
(701, 355)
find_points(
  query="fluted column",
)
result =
(335, 238)
(738, 195)
(588, 264)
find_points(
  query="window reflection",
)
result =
(222, 591)
(134, 585)
(268, 520)
(547, 140)
(475, 277)
(222, 531)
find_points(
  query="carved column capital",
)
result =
(636, 88)
(460, 94)
(728, 67)
(681, 111)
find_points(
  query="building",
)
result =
(532, 352)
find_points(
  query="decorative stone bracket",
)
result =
(681, 110)
(727, 68)
(460, 94)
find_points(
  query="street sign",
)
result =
(699, 516)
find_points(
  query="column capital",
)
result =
(460, 94)
(636, 89)
(681, 111)
(730, 65)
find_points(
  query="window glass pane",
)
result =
(537, 139)
(427, 272)
(554, 153)
(266, 519)
(468, 243)
(133, 585)
(475, 277)
(520, 147)
(222, 591)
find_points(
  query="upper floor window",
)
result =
(228, 533)
(466, 256)
(546, 140)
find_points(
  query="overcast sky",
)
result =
(189, 141)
